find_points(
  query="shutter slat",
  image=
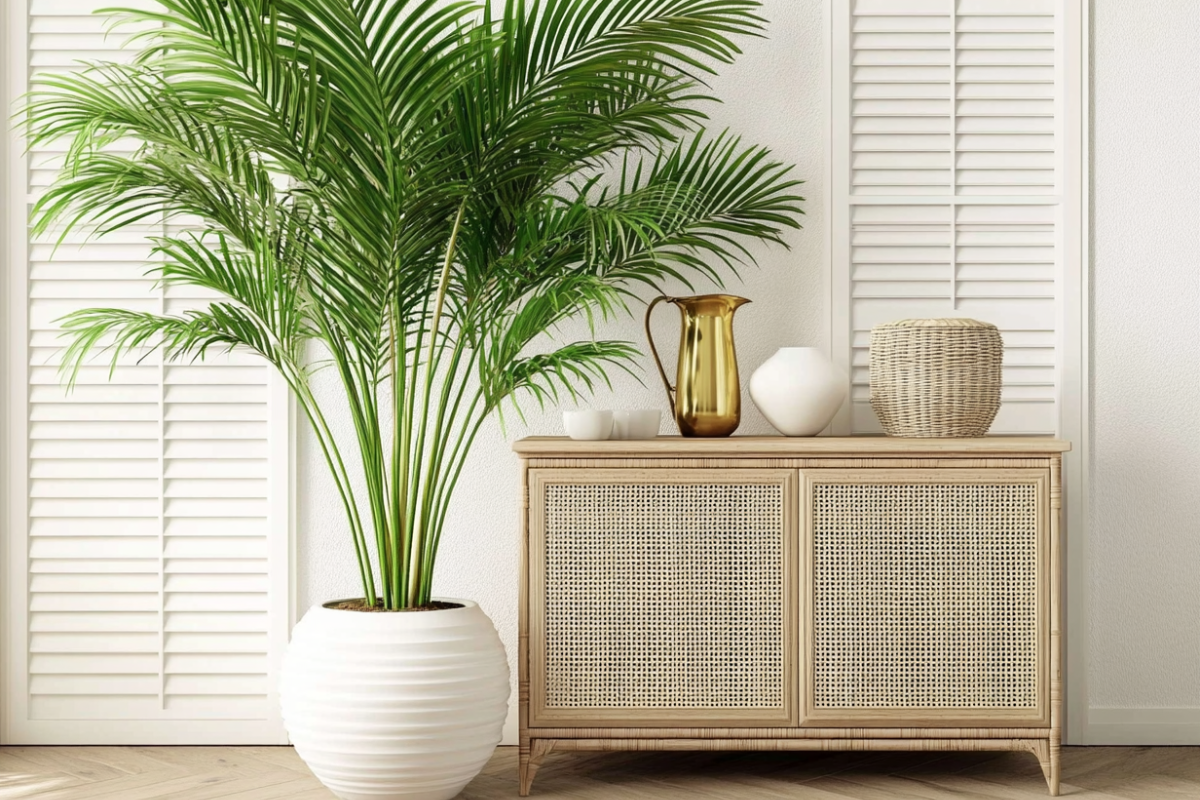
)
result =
(95, 663)
(87, 582)
(221, 642)
(218, 622)
(226, 566)
(65, 632)
(216, 601)
(217, 684)
(216, 547)
(216, 488)
(67, 566)
(96, 602)
(116, 707)
(217, 468)
(231, 664)
(90, 642)
(92, 685)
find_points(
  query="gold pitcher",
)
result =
(706, 398)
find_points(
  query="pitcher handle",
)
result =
(654, 350)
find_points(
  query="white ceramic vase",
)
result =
(395, 705)
(798, 390)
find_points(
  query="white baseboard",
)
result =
(1144, 726)
(512, 730)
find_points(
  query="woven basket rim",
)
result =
(938, 322)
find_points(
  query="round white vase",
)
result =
(798, 390)
(395, 705)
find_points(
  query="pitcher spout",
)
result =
(736, 302)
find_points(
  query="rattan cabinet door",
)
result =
(927, 597)
(662, 597)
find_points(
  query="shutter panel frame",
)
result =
(939, 115)
(162, 496)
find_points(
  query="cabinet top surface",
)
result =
(785, 447)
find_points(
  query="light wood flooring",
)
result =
(276, 773)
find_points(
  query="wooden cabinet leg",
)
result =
(531, 758)
(1048, 754)
(1052, 772)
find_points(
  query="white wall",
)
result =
(772, 97)
(1145, 486)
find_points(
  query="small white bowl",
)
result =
(588, 425)
(636, 423)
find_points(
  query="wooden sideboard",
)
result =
(791, 594)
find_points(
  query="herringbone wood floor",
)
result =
(275, 773)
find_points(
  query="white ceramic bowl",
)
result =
(588, 425)
(636, 423)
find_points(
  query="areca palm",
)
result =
(421, 189)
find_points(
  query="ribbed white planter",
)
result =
(395, 706)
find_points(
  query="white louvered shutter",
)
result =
(948, 184)
(150, 569)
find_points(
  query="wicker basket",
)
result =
(936, 377)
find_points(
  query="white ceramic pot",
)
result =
(636, 423)
(798, 390)
(395, 705)
(588, 424)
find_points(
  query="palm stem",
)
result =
(399, 451)
(337, 468)
(431, 365)
(457, 468)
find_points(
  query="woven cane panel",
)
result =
(664, 596)
(925, 596)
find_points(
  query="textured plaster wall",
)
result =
(772, 97)
(1145, 515)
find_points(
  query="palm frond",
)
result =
(118, 333)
